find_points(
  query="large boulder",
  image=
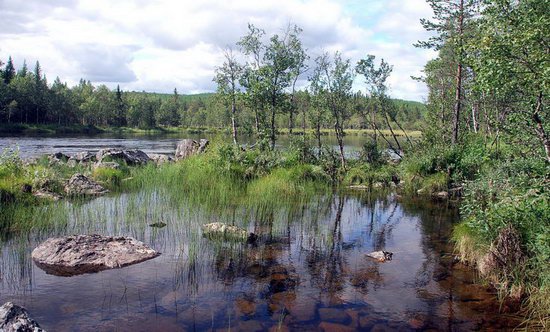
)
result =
(14, 318)
(189, 147)
(83, 157)
(58, 158)
(227, 232)
(80, 185)
(78, 254)
(131, 157)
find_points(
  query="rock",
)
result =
(443, 195)
(378, 185)
(79, 185)
(158, 225)
(58, 158)
(14, 318)
(160, 159)
(26, 188)
(359, 187)
(281, 281)
(332, 327)
(189, 147)
(47, 194)
(106, 164)
(228, 232)
(130, 157)
(83, 157)
(72, 255)
(334, 315)
(381, 256)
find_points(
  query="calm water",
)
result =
(33, 146)
(308, 272)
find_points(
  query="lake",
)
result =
(307, 272)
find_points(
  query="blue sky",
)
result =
(156, 45)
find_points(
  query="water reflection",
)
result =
(307, 271)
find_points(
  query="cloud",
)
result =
(156, 45)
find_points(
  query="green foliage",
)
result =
(111, 177)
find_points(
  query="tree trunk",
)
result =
(392, 133)
(540, 128)
(340, 138)
(458, 93)
(233, 122)
(273, 135)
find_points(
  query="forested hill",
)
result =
(27, 97)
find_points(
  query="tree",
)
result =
(511, 61)
(9, 72)
(332, 81)
(227, 77)
(449, 22)
(376, 78)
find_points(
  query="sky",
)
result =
(159, 45)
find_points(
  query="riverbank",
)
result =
(33, 129)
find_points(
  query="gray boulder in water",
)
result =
(14, 318)
(227, 232)
(78, 254)
(131, 157)
(381, 256)
(80, 185)
(189, 147)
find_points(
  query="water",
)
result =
(34, 146)
(308, 271)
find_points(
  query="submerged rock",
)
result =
(130, 157)
(381, 256)
(79, 185)
(72, 255)
(14, 318)
(189, 147)
(228, 232)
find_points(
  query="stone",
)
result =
(334, 315)
(303, 309)
(359, 187)
(78, 254)
(83, 157)
(443, 195)
(130, 157)
(227, 232)
(106, 164)
(246, 306)
(381, 256)
(58, 158)
(160, 159)
(189, 147)
(378, 185)
(332, 327)
(47, 194)
(159, 224)
(14, 318)
(80, 185)
(26, 188)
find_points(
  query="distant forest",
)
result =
(27, 97)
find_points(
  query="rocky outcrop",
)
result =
(381, 256)
(80, 185)
(227, 232)
(14, 318)
(58, 158)
(130, 157)
(72, 255)
(189, 147)
(160, 159)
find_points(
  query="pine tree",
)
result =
(9, 72)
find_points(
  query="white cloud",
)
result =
(157, 45)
